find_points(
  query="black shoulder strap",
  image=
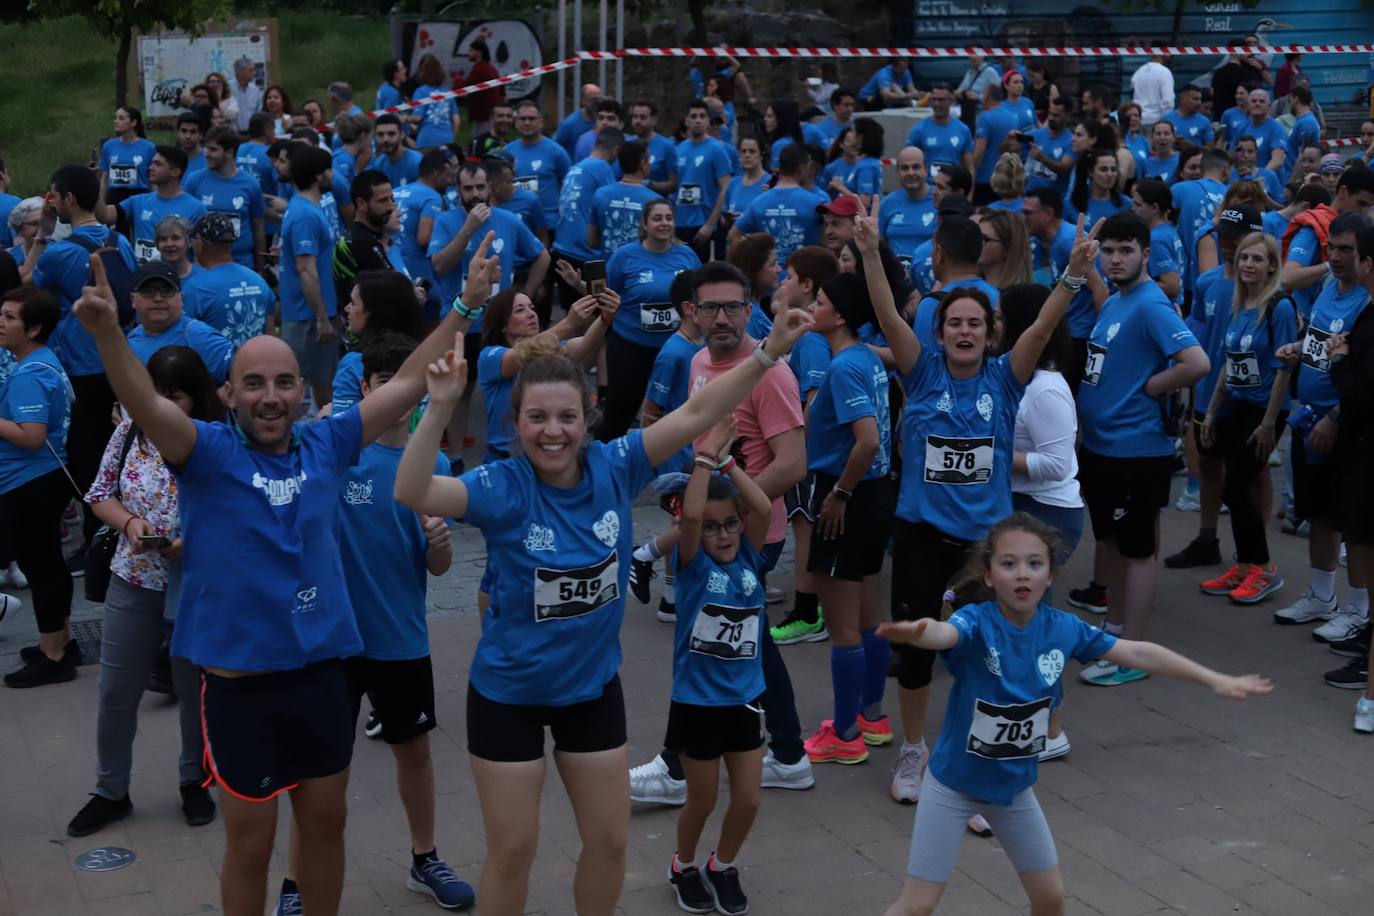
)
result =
(124, 454)
(78, 239)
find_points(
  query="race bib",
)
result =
(1314, 350)
(146, 251)
(958, 461)
(123, 175)
(561, 594)
(1092, 369)
(1008, 732)
(934, 170)
(528, 183)
(1036, 168)
(689, 195)
(1242, 370)
(657, 316)
(729, 633)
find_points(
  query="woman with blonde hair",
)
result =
(1008, 183)
(1242, 192)
(1006, 258)
(1254, 394)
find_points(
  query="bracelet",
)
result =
(705, 462)
(1072, 284)
(125, 529)
(760, 354)
(472, 313)
(724, 466)
(841, 493)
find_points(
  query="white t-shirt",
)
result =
(1046, 427)
(1152, 88)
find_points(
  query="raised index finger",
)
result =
(486, 243)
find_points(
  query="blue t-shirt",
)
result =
(229, 298)
(739, 195)
(810, 134)
(305, 231)
(717, 657)
(1097, 209)
(1136, 333)
(864, 176)
(7, 203)
(1269, 135)
(994, 124)
(539, 169)
(437, 127)
(1334, 312)
(252, 158)
(906, 223)
(383, 548)
(884, 78)
(1007, 679)
(526, 206)
(809, 361)
(417, 202)
(388, 96)
(831, 130)
(1303, 251)
(1196, 128)
(345, 165)
(923, 322)
(405, 170)
(551, 634)
(126, 164)
(1306, 131)
(267, 524)
(1013, 205)
(347, 387)
(1024, 109)
(854, 388)
(145, 211)
(617, 210)
(496, 397)
(514, 243)
(214, 348)
(662, 157)
(570, 130)
(957, 438)
(63, 270)
(1056, 146)
(1275, 223)
(1232, 120)
(1166, 255)
(647, 314)
(575, 201)
(942, 143)
(1195, 203)
(1249, 351)
(1047, 266)
(700, 167)
(1154, 167)
(1213, 295)
(668, 384)
(1272, 185)
(36, 391)
(921, 271)
(788, 215)
(239, 196)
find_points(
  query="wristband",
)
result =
(1072, 284)
(841, 493)
(764, 359)
(472, 313)
(724, 466)
(125, 530)
(705, 462)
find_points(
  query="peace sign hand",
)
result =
(1085, 248)
(483, 274)
(97, 309)
(866, 228)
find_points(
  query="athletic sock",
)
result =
(670, 588)
(674, 764)
(680, 866)
(1193, 484)
(807, 607)
(648, 552)
(877, 653)
(289, 887)
(918, 748)
(1324, 583)
(715, 864)
(1115, 629)
(847, 676)
(420, 858)
(1360, 598)
(1207, 535)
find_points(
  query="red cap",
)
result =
(844, 205)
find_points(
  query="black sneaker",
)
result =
(71, 654)
(40, 673)
(1197, 553)
(1354, 676)
(725, 888)
(692, 892)
(373, 728)
(667, 611)
(1356, 646)
(1092, 599)
(196, 804)
(99, 813)
(641, 574)
(76, 563)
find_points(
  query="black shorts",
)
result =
(1314, 485)
(472, 348)
(797, 500)
(402, 694)
(1124, 496)
(860, 550)
(514, 733)
(1218, 447)
(925, 560)
(267, 732)
(707, 732)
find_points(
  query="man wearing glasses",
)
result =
(161, 323)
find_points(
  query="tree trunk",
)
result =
(126, 40)
(697, 9)
(1178, 23)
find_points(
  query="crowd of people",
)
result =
(236, 378)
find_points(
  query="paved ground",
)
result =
(1172, 801)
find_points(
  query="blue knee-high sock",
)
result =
(877, 651)
(847, 675)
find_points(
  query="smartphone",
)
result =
(594, 275)
(155, 540)
(95, 156)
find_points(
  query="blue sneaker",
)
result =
(1107, 674)
(438, 880)
(289, 904)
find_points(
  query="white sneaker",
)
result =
(1092, 672)
(652, 783)
(14, 576)
(9, 603)
(779, 775)
(1055, 747)
(1344, 558)
(1306, 609)
(1188, 502)
(1347, 622)
(1364, 716)
(773, 595)
(907, 773)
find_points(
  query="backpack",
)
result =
(116, 271)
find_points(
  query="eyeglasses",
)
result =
(991, 239)
(162, 293)
(732, 525)
(710, 309)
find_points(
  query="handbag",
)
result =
(102, 550)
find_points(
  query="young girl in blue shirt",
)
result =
(1007, 655)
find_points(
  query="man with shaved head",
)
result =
(266, 611)
(907, 216)
(571, 129)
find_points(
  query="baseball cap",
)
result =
(156, 270)
(1331, 162)
(216, 227)
(844, 205)
(1238, 220)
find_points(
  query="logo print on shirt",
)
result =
(749, 582)
(717, 582)
(358, 493)
(498, 246)
(138, 160)
(607, 528)
(985, 406)
(1245, 342)
(1112, 330)
(145, 215)
(207, 199)
(899, 219)
(927, 219)
(237, 201)
(305, 600)
(946, 403)
(279, 492)
(646, 276)
(536, 163)
(993, 661)
(539, 537)
(1337, 324)
(1051, 665)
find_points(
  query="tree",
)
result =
(118, 19)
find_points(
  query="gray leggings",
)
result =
(129, 645)
(942, 817)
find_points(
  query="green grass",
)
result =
(59, 99)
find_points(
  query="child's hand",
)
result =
(1241, 686)
(907, 631)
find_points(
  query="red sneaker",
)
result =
(1224, 583)
(876, 732)
(827, 747)
(1259, 583)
